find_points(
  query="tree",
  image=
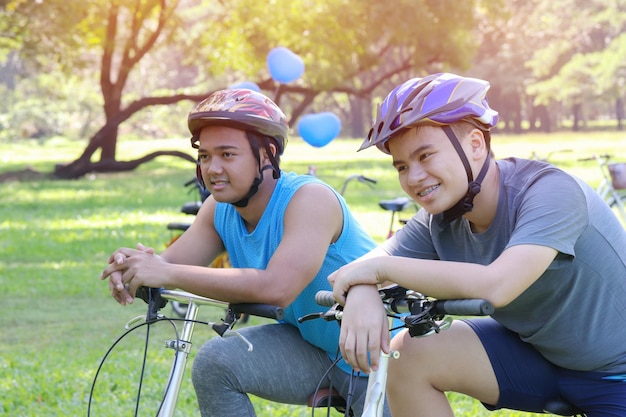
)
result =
(581, 59)
(356, 48)
(350, 47)
(145, 22)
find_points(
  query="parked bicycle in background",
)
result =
(612, 186)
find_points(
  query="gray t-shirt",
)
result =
(575, 313)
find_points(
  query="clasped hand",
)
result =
(130, 269)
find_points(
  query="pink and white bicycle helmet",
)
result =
(242, 109)
(437, 99)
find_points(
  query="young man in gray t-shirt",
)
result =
(536, 242)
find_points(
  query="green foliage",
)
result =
(578, 40)
(45, 45)
(47, 105)
(366, 36)
(533, 52)
(55, 237)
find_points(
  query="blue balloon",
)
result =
(284, 65)
(245, 84)
(319, 129)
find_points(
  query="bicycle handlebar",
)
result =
(424, 315)
(466, 307)
(157, 298)
(254, 309)
(463, 307)
(261, 310)
(325, 298)
(358, 177)
(604, 156)
(364, 178)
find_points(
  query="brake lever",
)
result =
(152, 297)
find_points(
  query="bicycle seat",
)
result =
(178, 226)
(325, 397)
(396, 204)
(561, 407)
(191, 207)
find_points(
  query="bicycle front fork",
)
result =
(182, 346)
(376, 385)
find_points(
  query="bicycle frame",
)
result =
(376, 385)
(157, 298)
(182, 347)
(606, 190)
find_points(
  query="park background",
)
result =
(94, 147)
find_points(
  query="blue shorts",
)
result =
(527, 381)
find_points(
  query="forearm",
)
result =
(235, 285)
(438, 279)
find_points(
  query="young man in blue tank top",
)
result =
(539, 244)
(284, 234)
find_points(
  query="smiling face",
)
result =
(429, 169)
(227, 163)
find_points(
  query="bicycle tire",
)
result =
(180, 309)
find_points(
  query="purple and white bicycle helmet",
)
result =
(437, 99)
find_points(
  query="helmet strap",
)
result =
(253, 188)
(465, 204)
(275, 167)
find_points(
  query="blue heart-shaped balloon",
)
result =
(319, 129)
(284, 65)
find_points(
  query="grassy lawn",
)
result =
(55, 237)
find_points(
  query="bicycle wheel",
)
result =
(180, 309)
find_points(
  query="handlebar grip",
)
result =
(261, 310)
(468, 307)
(372, 180)
(325, 298)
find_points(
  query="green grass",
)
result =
(57, 318)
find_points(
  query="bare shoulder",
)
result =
(207, 209)
(315, 210)
(317, 195)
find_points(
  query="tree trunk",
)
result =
(577, 112)
(359, 106)
(544, 119)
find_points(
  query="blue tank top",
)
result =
(254, 250)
